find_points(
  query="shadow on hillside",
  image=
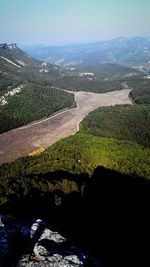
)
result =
(110, 218)
(113, 220)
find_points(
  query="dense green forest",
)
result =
(120, 122)
(109, 71)
(141, 90)
(32, 103)
(37, 98)
(79, 154)
(106, 78)
(82, 84)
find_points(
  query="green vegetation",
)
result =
(33, 103)
(37, 98)
(82, 84)
(79, 154)
(13, 76)
(121, 122)
(141, 90)
(106, 78)
(109, 71)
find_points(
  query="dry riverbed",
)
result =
(19, 142)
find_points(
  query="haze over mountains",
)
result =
(134, 52)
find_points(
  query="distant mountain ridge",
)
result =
(121, 50)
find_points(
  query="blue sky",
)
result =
(72, 21)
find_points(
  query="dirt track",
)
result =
(19, 142)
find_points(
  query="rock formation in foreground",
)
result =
(32, 243)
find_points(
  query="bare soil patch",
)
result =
(21, 141)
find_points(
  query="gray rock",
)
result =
(44, 247)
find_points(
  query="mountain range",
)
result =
(125, 51)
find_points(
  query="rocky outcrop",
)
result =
(8, 46)
(32, 243)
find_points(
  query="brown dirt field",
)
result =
(21, 141)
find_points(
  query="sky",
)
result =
(58, 22)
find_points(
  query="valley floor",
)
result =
(21, 141)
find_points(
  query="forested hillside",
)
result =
(141, 90)
(26, 92)
(120, 122)
(82, 84)
(99, 78)
(79, 154)
(33, 103)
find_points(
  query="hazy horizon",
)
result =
(21, 45)
(64, 22)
